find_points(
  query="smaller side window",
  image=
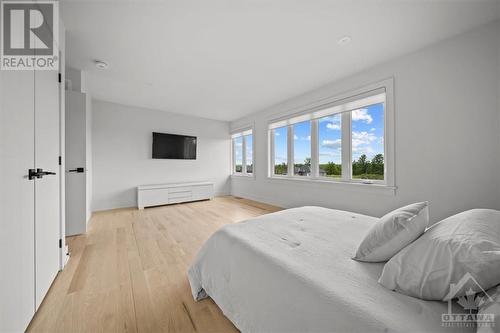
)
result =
(242, 153)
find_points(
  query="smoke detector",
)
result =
(344, 40)
(101, 64)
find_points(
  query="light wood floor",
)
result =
(128, 273)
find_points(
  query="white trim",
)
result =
(271, 135)
(314, 148)
(242, 128)
(241, 133)
(330, 106)
(389, 134)
(290, 150)
(358, 185)
(244, 154)
(241, 175)
(252, 174)
(346, 144)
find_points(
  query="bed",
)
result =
(291, 271)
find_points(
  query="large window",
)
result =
(242, 143)
(339, 141)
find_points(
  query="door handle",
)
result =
(38, 173)
(77, 170)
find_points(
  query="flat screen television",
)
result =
(173, 146)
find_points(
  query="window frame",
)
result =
(316, 111)
(272, 150)
(243, 133)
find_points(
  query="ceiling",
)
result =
(224, 59)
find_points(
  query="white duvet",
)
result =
(292, 271)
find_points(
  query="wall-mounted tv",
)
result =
(173, 146)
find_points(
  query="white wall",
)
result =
(122, 146)
(498, 99)
(446, 128)
(88, 156)
(76, 80)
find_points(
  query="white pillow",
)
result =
(468, 242)
(490, 310)
(393, 232)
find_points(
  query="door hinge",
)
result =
(60, 78)
(60, 243)
(60, 160)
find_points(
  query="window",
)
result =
(280, 151)
(302, 148)
(238, 154)
(367, 135)
(242, 143)
(249, 152)
(343, 141)
(330, 146)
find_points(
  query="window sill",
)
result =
(348, 185)
(243, 176)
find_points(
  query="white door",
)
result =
(76, 210)
(47, 187)
(17, 229)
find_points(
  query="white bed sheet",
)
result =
(292, 271)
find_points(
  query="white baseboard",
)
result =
(263, 199)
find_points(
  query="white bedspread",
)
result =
(291, 271)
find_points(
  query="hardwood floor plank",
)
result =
(129, 272)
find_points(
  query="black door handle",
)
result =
(38, 173)
(77, 170)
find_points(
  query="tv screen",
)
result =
(173, 146)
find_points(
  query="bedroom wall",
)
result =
(498, 103)
(446, 129)
(122, 140)
(88, 156)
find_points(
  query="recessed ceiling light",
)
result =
(344, 40)
(101, 64)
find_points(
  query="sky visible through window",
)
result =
(368, 131)
(238, 153)
(302, 142)
(330, 139)
(249, 152)
(367, 137)
(280, 145)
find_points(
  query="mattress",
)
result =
(291, 271)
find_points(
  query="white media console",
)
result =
(164, 194)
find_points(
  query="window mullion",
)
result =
(233, 162)
(314, 148)
(271, 149)
(244, 157)
(290, 171)
(346, 146)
